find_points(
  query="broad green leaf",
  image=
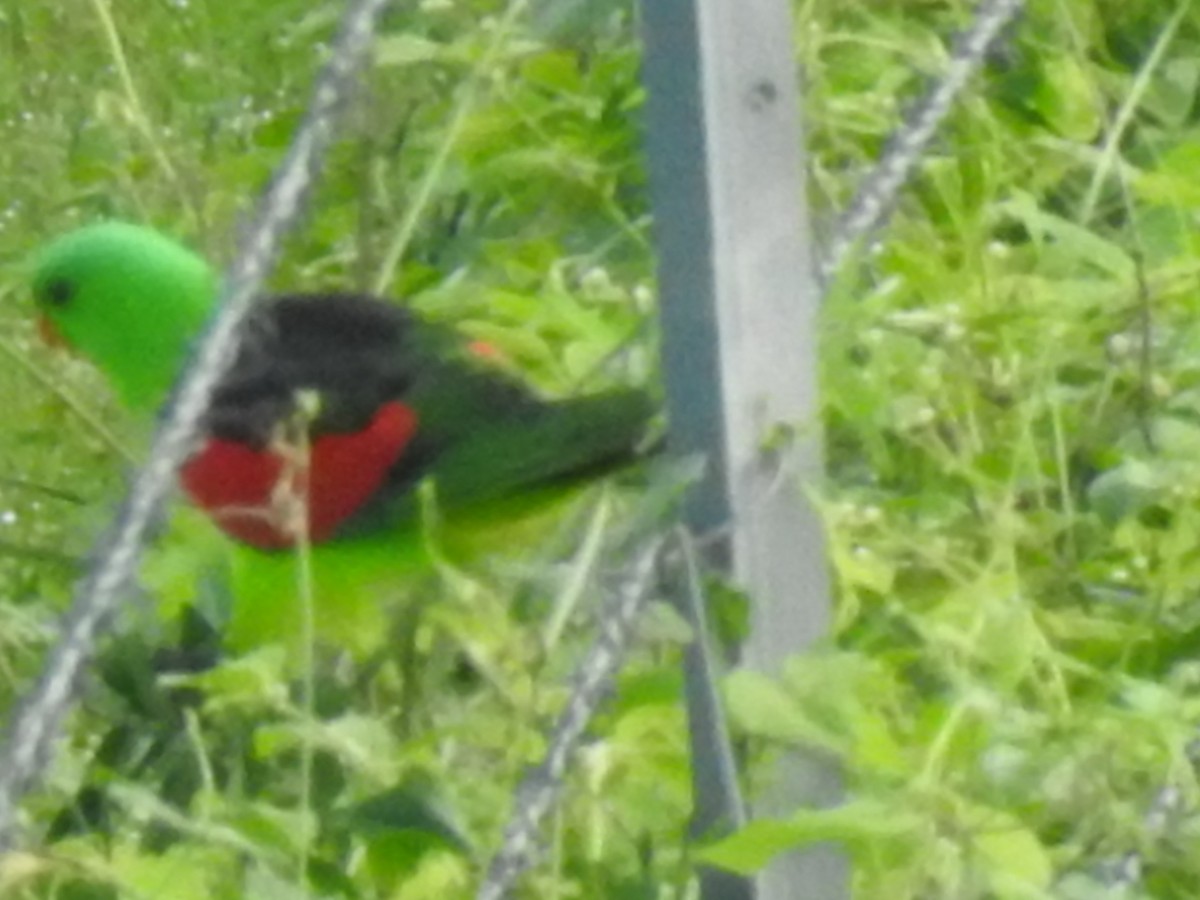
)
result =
(1017, 864)
(761, 706)
(860, 823)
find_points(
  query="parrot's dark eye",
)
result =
(59, 292)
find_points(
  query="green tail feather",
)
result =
(563, 441)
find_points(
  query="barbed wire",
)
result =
(539, 790)
(30, 742)
(876, 196)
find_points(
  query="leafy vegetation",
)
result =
(1010, 387)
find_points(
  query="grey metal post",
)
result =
(738, 308)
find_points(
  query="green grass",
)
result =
(1012, 493)
(498, 162)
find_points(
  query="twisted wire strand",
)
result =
(540, 789)
(876, 196)
(29, 745)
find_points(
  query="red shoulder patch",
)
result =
(246, 491)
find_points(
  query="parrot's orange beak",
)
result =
(51, 335)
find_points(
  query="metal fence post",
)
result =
(738, 308)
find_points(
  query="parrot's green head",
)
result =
(129, 299)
